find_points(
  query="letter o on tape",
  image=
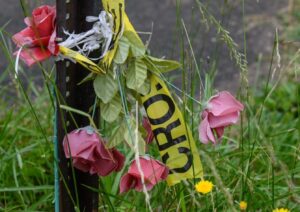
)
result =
(169, 113)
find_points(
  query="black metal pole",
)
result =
(71, 17)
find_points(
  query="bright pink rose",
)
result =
(222, 110)
(154, 172)
(89, 153)
(38, 38)
(147, 126)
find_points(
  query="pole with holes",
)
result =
(71, 17)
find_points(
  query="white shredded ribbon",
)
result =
(17, 62)
(137, 159)
(99, 37)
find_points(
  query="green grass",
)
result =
(257, 161)
(26, 171)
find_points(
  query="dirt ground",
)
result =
(160, 17)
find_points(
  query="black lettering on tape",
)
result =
(113, 11)
(167, 132)
(186, 167)
(169, 113)
(158, 86)
(121, 20)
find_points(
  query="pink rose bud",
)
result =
(153, 170)
(222, 110)
(89, 153)
(147, 126)
(38, 38)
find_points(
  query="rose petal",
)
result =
(82, 164)
(147, 126)
(153, 172)
(109, 160)
(79, 143)
(224, 103)
(28, 21)
(52, 46)
(127, 182)
(223, 121)
(104, 152)
(205, 131)
(86, 151)
(165, 172)
(23, 38)
(103, 167)
(33, 55)
(157, 171)
(139, 185)
(119, 158)
(105, 163)
(219, 132)
(42, 18)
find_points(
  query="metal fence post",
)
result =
(71, 17)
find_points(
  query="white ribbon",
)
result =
(17, 62)
(99, 37)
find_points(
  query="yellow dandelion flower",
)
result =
(281, 210)
(243, 205)
(204, 186)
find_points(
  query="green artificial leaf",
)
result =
(136, 74)
(105, 87)
(137, 47)
(126, 132)
(118, 136)
(122, 51)
(111, 110)
(160, 65)
(89, 77)
(144, 89)
(131, 137)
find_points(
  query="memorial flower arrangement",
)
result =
(133, 135)
(135, 102)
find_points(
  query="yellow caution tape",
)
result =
(129, 27)
(85, 62)
(117, 9)
(174, 139)
(121, 23)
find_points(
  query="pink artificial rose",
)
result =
(89, 153)
(147, 126)
(222, 110)
(38, 38)
(154, 172)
